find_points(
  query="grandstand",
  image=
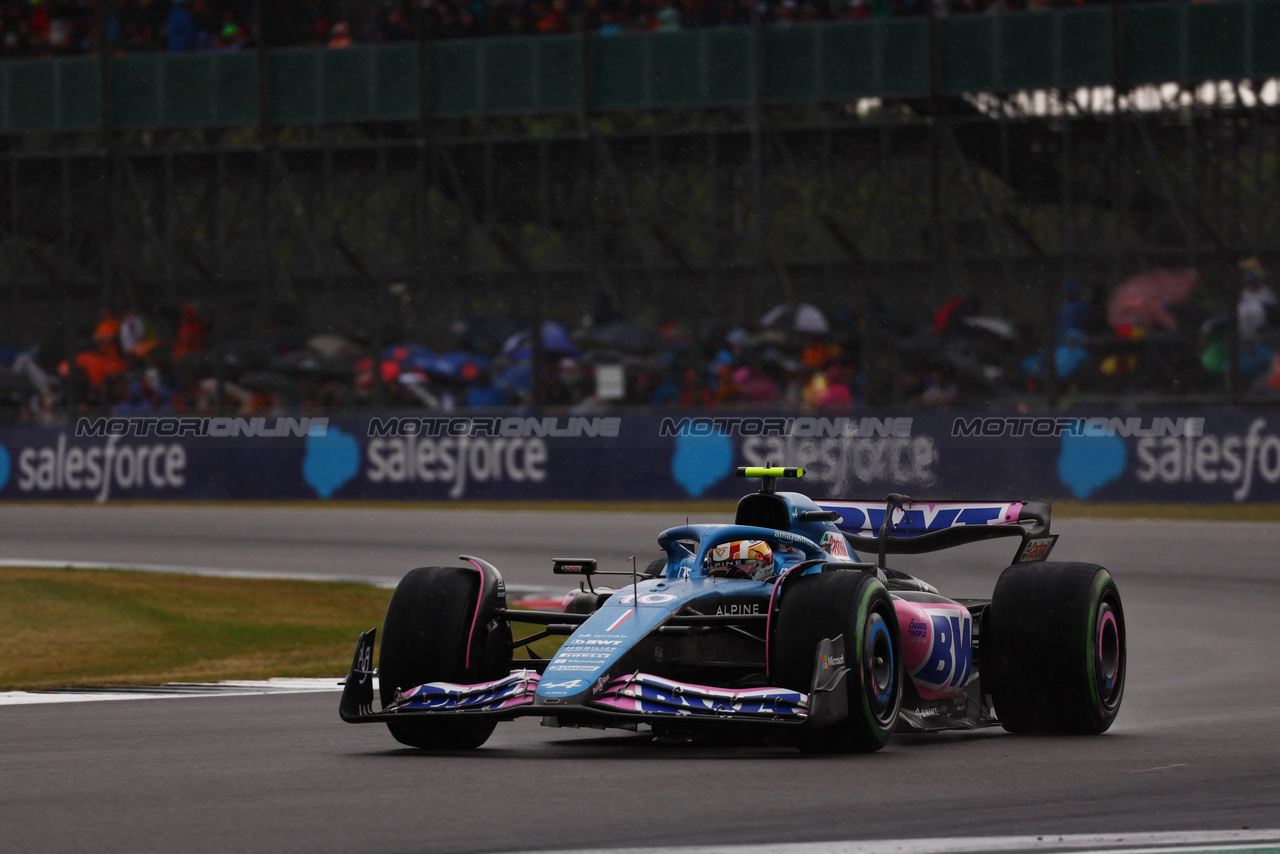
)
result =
(872, 168)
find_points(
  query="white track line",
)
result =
(1084, 843)
(213, 572)
(387, 581)
(174, 690)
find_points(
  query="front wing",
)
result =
(637, 697)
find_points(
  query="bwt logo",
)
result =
(949, 662)
(934, 517)
(99, 468)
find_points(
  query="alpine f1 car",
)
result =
(771, 622)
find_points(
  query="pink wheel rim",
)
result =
(1109, 647)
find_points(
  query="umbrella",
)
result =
(10, 381)
(554, 341)
(364, 372)
(617, 357)
(517, 379)
(269, 381)
(231, 391)
(201, 364)
(247, 354)
(411, 357)
(802, 317)
(306, 362)
(1141, 300)
(624, 335)
(332, 345)
(466, 367)
(483, 333)
(994, 325)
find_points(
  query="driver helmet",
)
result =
(741, 559)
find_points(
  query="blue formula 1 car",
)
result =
(771, 622)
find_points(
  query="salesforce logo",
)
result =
(96, 470)
(701, 461)
(1088, 463)
(330, 461)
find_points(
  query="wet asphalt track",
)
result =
(1197, 744)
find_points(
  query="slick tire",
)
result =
(425, 639)
(858, 606)
(1054, 651)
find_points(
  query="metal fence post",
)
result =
(265, 149)
(757, 152)
(108, 154)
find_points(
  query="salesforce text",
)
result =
(455, 460)
(98, 468)
(1230, 459)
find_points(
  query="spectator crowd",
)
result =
(67, 27)
(1158, 332)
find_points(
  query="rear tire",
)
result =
(1054, 658)
(856, 605)
(424, 639)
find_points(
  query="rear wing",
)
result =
(899, 525)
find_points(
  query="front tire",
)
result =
(1054, 660)
(427, 636)
(856, 605)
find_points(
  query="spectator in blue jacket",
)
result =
(180, 27)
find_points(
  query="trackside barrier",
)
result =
(1211, 456)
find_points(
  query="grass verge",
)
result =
(73, 628)
(67, 628)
